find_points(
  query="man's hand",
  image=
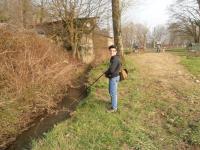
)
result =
(106, 73)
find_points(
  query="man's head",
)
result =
(113, 50)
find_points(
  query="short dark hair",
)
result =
(112, 46)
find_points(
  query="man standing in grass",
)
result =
(113, 74)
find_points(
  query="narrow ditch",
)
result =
(47, 122)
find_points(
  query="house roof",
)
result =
(60, 21)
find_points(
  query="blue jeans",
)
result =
(113, 91)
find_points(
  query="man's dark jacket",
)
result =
(114, 68)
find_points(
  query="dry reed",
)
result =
(33, 69)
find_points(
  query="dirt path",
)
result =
(165, 68)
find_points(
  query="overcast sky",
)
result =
(149, 12)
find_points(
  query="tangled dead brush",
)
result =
(33, 70)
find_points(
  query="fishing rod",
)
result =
(95, 81)
(79, 97)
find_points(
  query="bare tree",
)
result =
(78, 17)
(196, 1)
(18, 12)
(186, 19)
(134, 34)
(141, 34)
(26, 9)
(129, 35)
(159, 33)
(40, 10)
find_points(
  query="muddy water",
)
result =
(43, 125)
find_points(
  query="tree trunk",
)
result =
(42, 11)
(198, 1)
(145, 42)
(5, 5)
(74, 50)
(26, 11)
(198, 34)
(116, 15)
(194, 28)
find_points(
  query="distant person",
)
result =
(113, 74)
(135, 48)
(189, 46)
(158, 46)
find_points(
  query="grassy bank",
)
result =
(146, 119)
(190, 62)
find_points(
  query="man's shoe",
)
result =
(112, 110)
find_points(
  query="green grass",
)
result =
(178, 51)
(146, 120)
(190, 62)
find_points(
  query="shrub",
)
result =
(33, 69)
